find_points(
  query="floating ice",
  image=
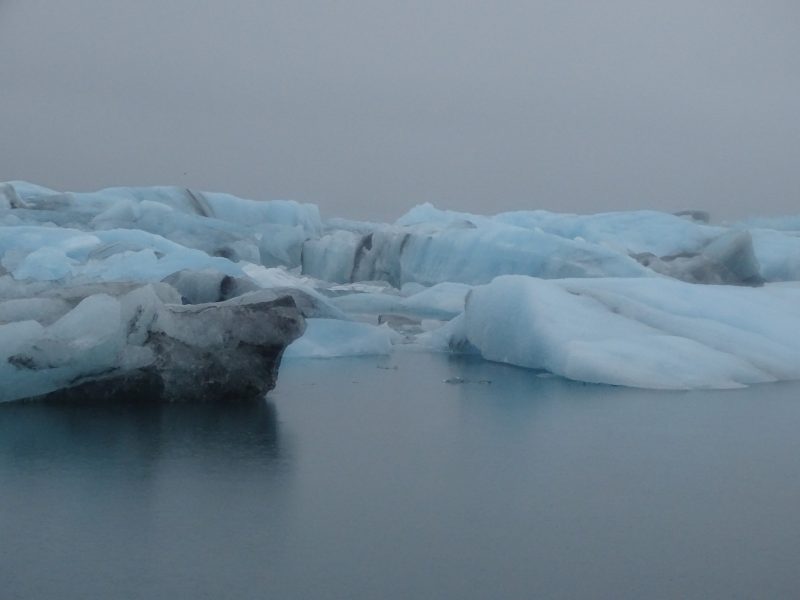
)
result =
(652, 333)
(135, 343)
(609, 298)
(441, 301)
(728, 259)
(461, 254)
(60, 254)
(329, 338)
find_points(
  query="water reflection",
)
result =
(148, 498)
(518, 488)
(381, 480)
(106, 432)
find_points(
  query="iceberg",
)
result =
(142, 343)
(440, 301)
(459, 253)
(651, 333)
(173, 293)
(729, 259)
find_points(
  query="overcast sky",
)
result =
(369, 107)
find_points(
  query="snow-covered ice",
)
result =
(638, 298)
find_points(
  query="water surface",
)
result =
(373, 478)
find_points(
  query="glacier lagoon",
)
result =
(369, 477)
(401, 454)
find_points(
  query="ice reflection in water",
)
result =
(373, 478)
(138, 500)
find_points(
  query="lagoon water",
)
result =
(373, 478)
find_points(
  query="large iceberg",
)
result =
(655, 333)
(139, 341)
(640, 298)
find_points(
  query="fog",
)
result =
(367, 108)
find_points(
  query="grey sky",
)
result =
(369, 107)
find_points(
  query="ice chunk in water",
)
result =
(329, 338)
(653, 333)
(137, 343)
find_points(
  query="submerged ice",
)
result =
(637, 298)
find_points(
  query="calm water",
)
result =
(360, 480)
